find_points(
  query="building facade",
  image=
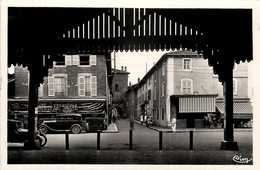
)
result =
(130, 95)
(118, 89)
(181, 85)
(76, 83)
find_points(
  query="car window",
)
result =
(69, 118)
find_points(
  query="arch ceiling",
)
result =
(37, 36)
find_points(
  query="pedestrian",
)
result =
(142, 119)
(173, 124)
(145, 118)
(131, 122)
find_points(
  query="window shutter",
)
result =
(93, 85)
(50, 86)
(68, 60)
(93, 60)
(75, 60)
(81, 86)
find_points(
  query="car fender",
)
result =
(46, 127)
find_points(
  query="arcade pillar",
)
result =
(32, 142)
(228, 143)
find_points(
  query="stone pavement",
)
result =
(77, 155)
(46, 156)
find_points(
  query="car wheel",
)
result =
(43, 129)
(76, 129)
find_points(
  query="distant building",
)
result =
(183, 86)
(131, 101)
(119, 87)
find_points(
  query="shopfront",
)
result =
(192, 110)
(243, 112)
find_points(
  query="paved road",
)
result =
(115, 148)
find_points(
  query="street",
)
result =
(114, 148)
(147, 139)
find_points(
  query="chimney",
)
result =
(138, 80)
(125, 68)
(122, 68)
(130, 83)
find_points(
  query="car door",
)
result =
(59, 125)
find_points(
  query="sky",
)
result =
(136, 62)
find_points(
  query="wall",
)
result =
(205, 82)
(21, 81)
(99, 70)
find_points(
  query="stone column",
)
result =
(228, 143)
(32, 142)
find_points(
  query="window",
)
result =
(116, 87)
(162, 113)
(163, 89)
(57, 85)
(149, 95)
(158, 114)
(87, 85)
(60, 61)
(84, 60)
(234, 86)
(154, 76)
(186, 66)
(163, 69)
(154, 93)
(186, 86)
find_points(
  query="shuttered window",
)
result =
(50, 86)
(57, 85)
(87, 85)
(186, 86)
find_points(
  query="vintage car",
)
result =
(63, 122)
(17, 133)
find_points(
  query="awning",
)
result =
(242, 110)
(196, 103)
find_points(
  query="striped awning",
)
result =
(242, 110)
(197, 103)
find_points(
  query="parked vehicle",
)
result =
(62, 122)
(149, 122)
(17, 133)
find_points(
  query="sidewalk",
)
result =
(181, 130)
(112, 128)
